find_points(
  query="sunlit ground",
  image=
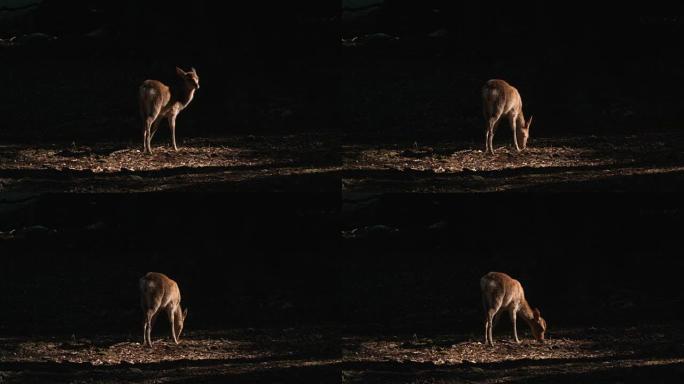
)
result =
(594, 354)
(238, 355)
(280, 162)
(571, 163)
(319, 163)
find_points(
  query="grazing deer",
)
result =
(158, 101)
(502, 292)
(158, 292)
(499, 100)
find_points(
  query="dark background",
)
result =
(262, 68)
(255, 260)
(281, 68)
(581, 67)
(241, 260)
(585, 259)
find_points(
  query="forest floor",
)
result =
(237, 356)
(264, 163)
(595, 354)
(317, 163)
(581, 163)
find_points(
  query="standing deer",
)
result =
(159, 292)
(499, 100)
(159, 101)
(502, 292)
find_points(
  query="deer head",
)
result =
(537, 325)
(190, 78)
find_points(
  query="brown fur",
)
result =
(159, 101)
(501, 292)
(500, 99)
(158, 292)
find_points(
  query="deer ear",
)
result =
(185, 313)
(180, 71)
(536, 313)
(192, 69)
(529, 122)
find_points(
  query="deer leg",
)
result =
(512, 120)
(490, 321)
(149, 334)
(148, 326)
(173, 325)
(515, 327)
(149, 122)
(144, 140)
(491, 331)
(155, 125)
(486, 313)
(172, 124)
(144, 331)
(146, 130)
(154, 319)
(493, 121)
(496, 319)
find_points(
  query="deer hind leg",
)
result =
(172, 318)
(512, 119)
(150, 122)
(172, 125)
(147, 329)
(150, 111)
(513, 314)
(146, 131)
(486, 318)
(496, 319)
(490, 326)
(155, 125)
(492, 122)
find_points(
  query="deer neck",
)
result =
(521, 120)
(183, 94)
(525, 311)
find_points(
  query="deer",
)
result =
(501, 100)
(500, 292)
(158, 292)
(159, 101)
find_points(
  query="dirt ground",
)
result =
(580, 163)
(294, 162)
(244, 355)
(598, 354)
(314, 163)
(593, 354)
